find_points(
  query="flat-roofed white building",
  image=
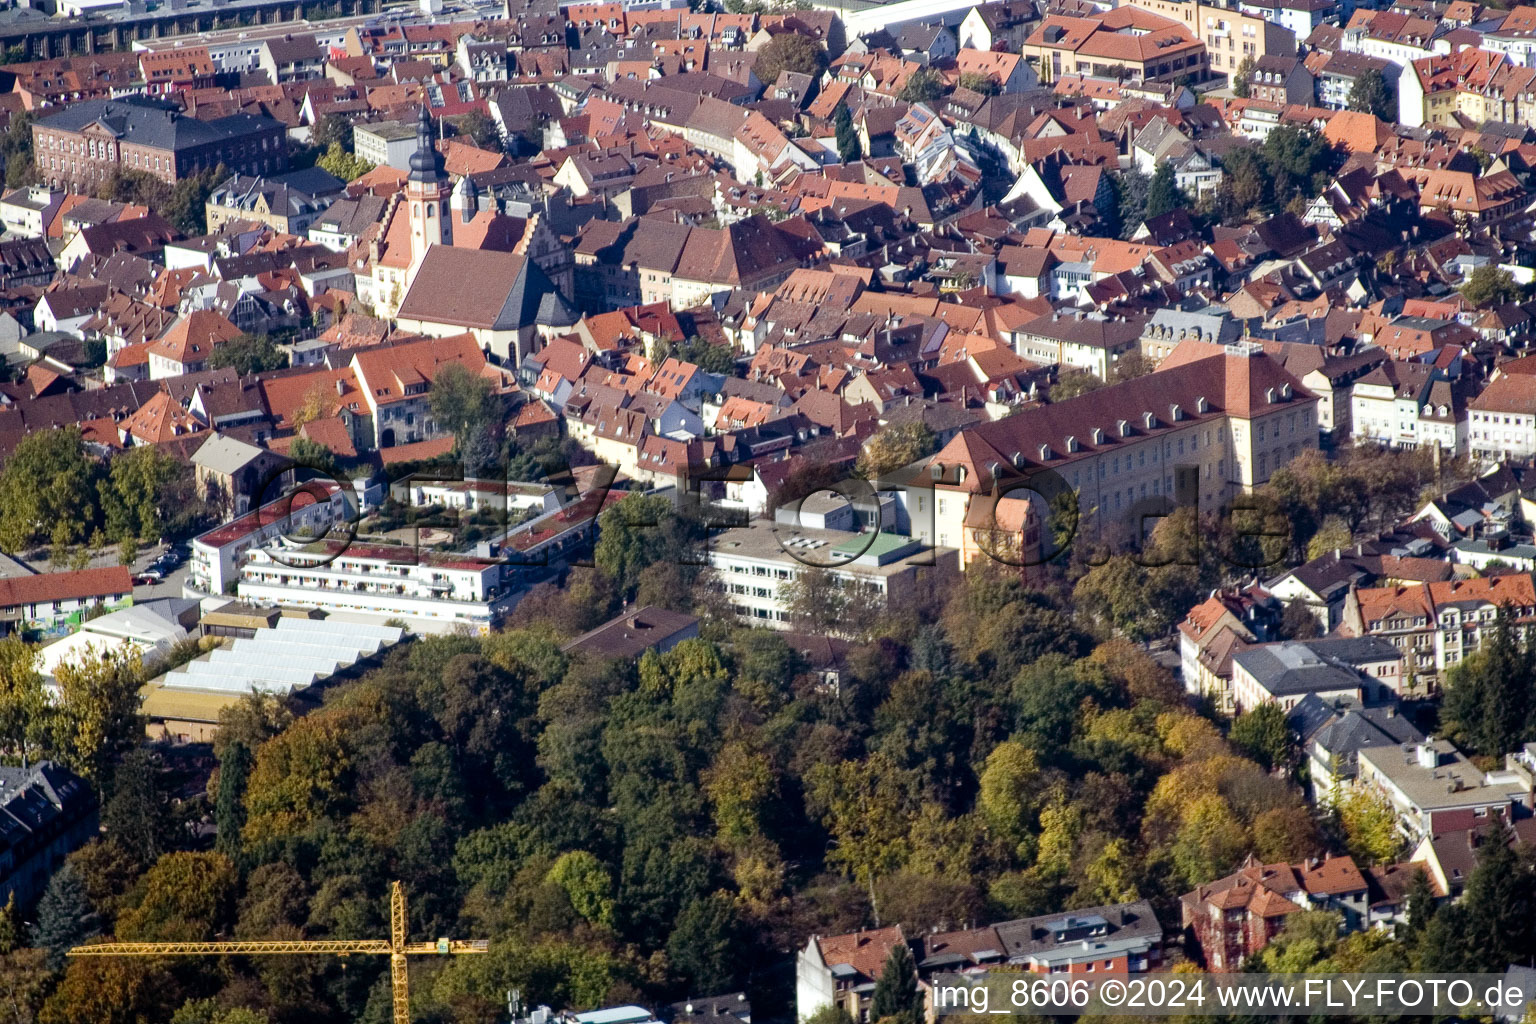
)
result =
(390, 581)
(754, 564)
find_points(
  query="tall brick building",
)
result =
(79, 147)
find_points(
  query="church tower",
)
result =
(426, 192)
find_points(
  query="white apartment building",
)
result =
(753, 564)
(496, 496)
(1409, 405)
(1434, 788)
(394, 581)
(307, 512)
(1502, 420)
(27, 212)
(385, 143)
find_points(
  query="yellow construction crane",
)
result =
(395, 947)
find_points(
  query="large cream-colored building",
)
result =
(1126, 42)
(1229, 34)
(1212, 423)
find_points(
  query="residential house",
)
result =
(49, 602)
(49, 813)
(1235, 917)
(1432, 787)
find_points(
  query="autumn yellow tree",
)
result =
(300, 775)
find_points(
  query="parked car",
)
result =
(148, 578)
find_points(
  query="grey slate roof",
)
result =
(158, 125)
(1293, 668)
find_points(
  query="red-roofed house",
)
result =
(1440, 623)
(48, 601)
(185, 348)
(1235, 917)
(395, 381)
(841, 970)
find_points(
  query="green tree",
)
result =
(47, 491)
(187, 897)
(922, 86)
(1008, 786)
(229, 803)
(1490, 285)
(64, 916)
(1130, 199)
(789, 51)
(1369, 825)
(462, 403)
(1371, 93)
(1130, 596)
(138, 813)
(249, 353)
(313, 455)
(1163, 192)
(1263, 735)
(849, 148)
(481, 129)
(96, 717)
(1071, 382)
(25, 710)
(134, 493)
(586, 883)
(895, 447)
(1242, 79)
(1419, 903)
(1209, 842)
(343, 164)
(636, 532)
(980, 81)
(705, 945)
(301, 774)
(1493, 923)
(332, 129)
(187, 206)
(868, 806)
(742, 786)
(1489, 703)
(896, 995)
(16, 150)
(1332, 535)
(1298, 162)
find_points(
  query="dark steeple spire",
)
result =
(426, 162)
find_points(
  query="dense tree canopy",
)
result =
(789, 51)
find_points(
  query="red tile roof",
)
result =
(64, 586)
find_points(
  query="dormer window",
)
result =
(1123, 427)
(1148, 420)
(1175, 413)
(1045, 453)
(1071, 444)
(936, 472)
(1098, 435)
(1202, 406)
